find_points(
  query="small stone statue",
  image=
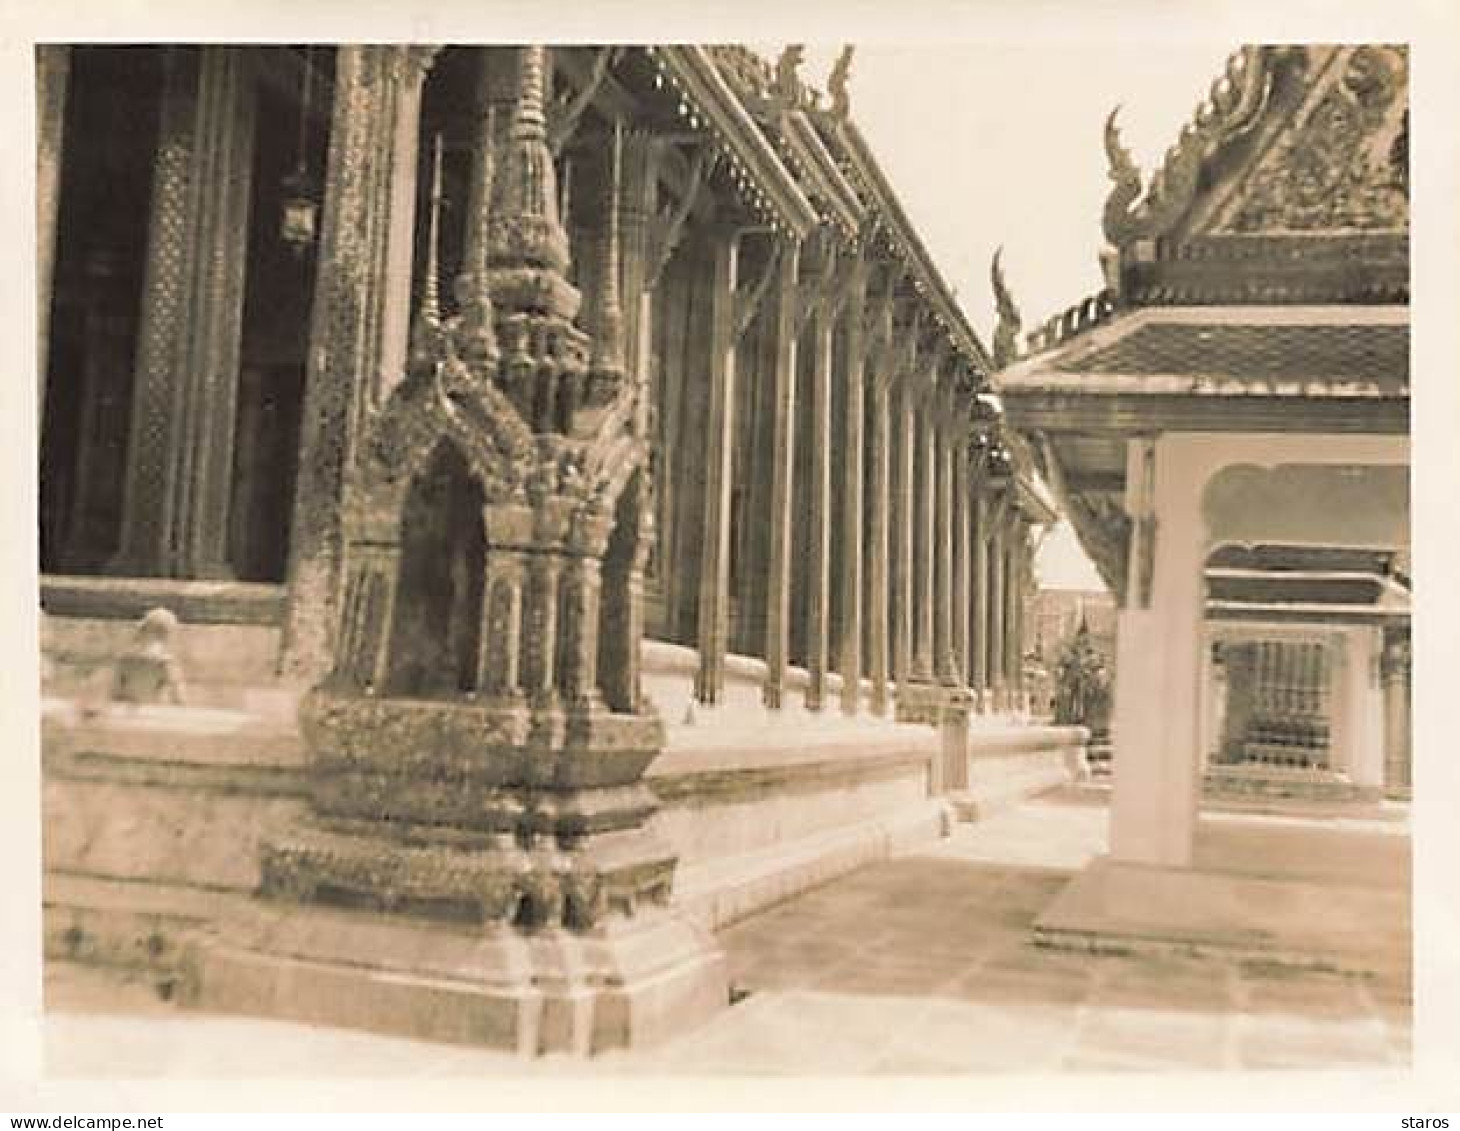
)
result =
(148, 672)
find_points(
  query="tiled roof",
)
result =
(1369, 355)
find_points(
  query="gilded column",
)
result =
(818, 596)
(946, 535)
(345, 343)
(636, 206)
(998, 610)
(979, 630)
(1018, 588)
(903, 509)
(1013, 587)
(179, 475)
(878, 581)
(850, 661)
(52, 74)
(783, 455)
(714, 588)
(958, 474)
(927, 533)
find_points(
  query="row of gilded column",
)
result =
(937, 567)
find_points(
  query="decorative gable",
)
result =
(1342, 164)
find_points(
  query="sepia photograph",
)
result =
(723, 559)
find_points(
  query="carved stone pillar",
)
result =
(373, 87)
(903, 511)
(818, 594)
(714, 590)
(783, 455)
(179, 475)
(981, 626)
(850, 661)
(877, 582)
(624, 613)
(396, 173)
(52, 74)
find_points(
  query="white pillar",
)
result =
(1365, 708)
(1212, 694)
(1340, 714)
(1157, 727)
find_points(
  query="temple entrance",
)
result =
(110, 136)
(178, 331)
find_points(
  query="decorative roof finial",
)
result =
(788, 78)
(1006, 332)
(1126, 177)
(836, 83)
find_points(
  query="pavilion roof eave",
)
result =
(810, 153)
(1305, 613)
(694, 73)
(1131, 413)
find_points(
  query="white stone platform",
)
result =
(1291, 892)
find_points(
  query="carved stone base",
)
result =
(456, 877)
(628, 983)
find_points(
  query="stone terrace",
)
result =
(918, 965)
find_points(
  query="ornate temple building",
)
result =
(505, 513)
(1226, 425)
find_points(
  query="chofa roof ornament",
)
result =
(788, 73)
(1232, 107)
(836, 83)
(1006, 331)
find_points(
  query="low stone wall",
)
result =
(1007, 762)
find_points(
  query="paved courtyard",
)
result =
(921, 964)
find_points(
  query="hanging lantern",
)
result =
(299, 214)
(299, 218)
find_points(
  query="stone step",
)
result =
(1285, 783)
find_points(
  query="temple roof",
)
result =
(1258, 280)
(1292, 352)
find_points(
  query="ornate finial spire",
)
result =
(426, 333)
(608, 345)
(530, 121)
(836, 83)
(525, 229)
(1006, 332)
